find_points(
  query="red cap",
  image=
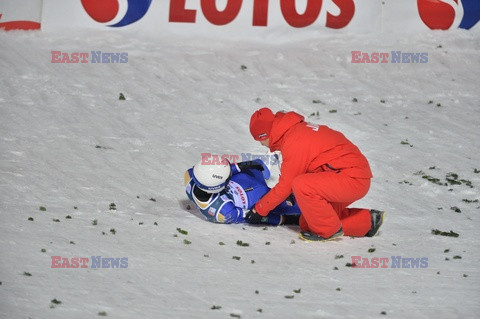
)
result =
(261, 124)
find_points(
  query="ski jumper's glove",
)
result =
(252, 217)
(257, 164)
(250, 164)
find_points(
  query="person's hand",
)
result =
(252, 217)
(257, 164)
(250, 165)
(290, 200)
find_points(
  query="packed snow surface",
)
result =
(70, 148)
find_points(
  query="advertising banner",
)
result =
(241, 18)
(238, 18)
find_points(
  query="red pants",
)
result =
(323, 199)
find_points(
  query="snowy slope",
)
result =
(68, 141)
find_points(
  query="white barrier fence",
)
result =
(241, 18)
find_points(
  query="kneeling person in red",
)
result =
(324, 170)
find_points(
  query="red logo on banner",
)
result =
(107, 10)
(178, 12)
(436, 14)
(101, 11)
(347, 10)
(19, 25)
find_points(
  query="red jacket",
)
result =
(308, 148)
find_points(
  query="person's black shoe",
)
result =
(309, 236)
(291, 219)
(377, 221)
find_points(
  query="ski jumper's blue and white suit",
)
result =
(245, 188)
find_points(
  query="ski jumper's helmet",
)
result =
(212, 177)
